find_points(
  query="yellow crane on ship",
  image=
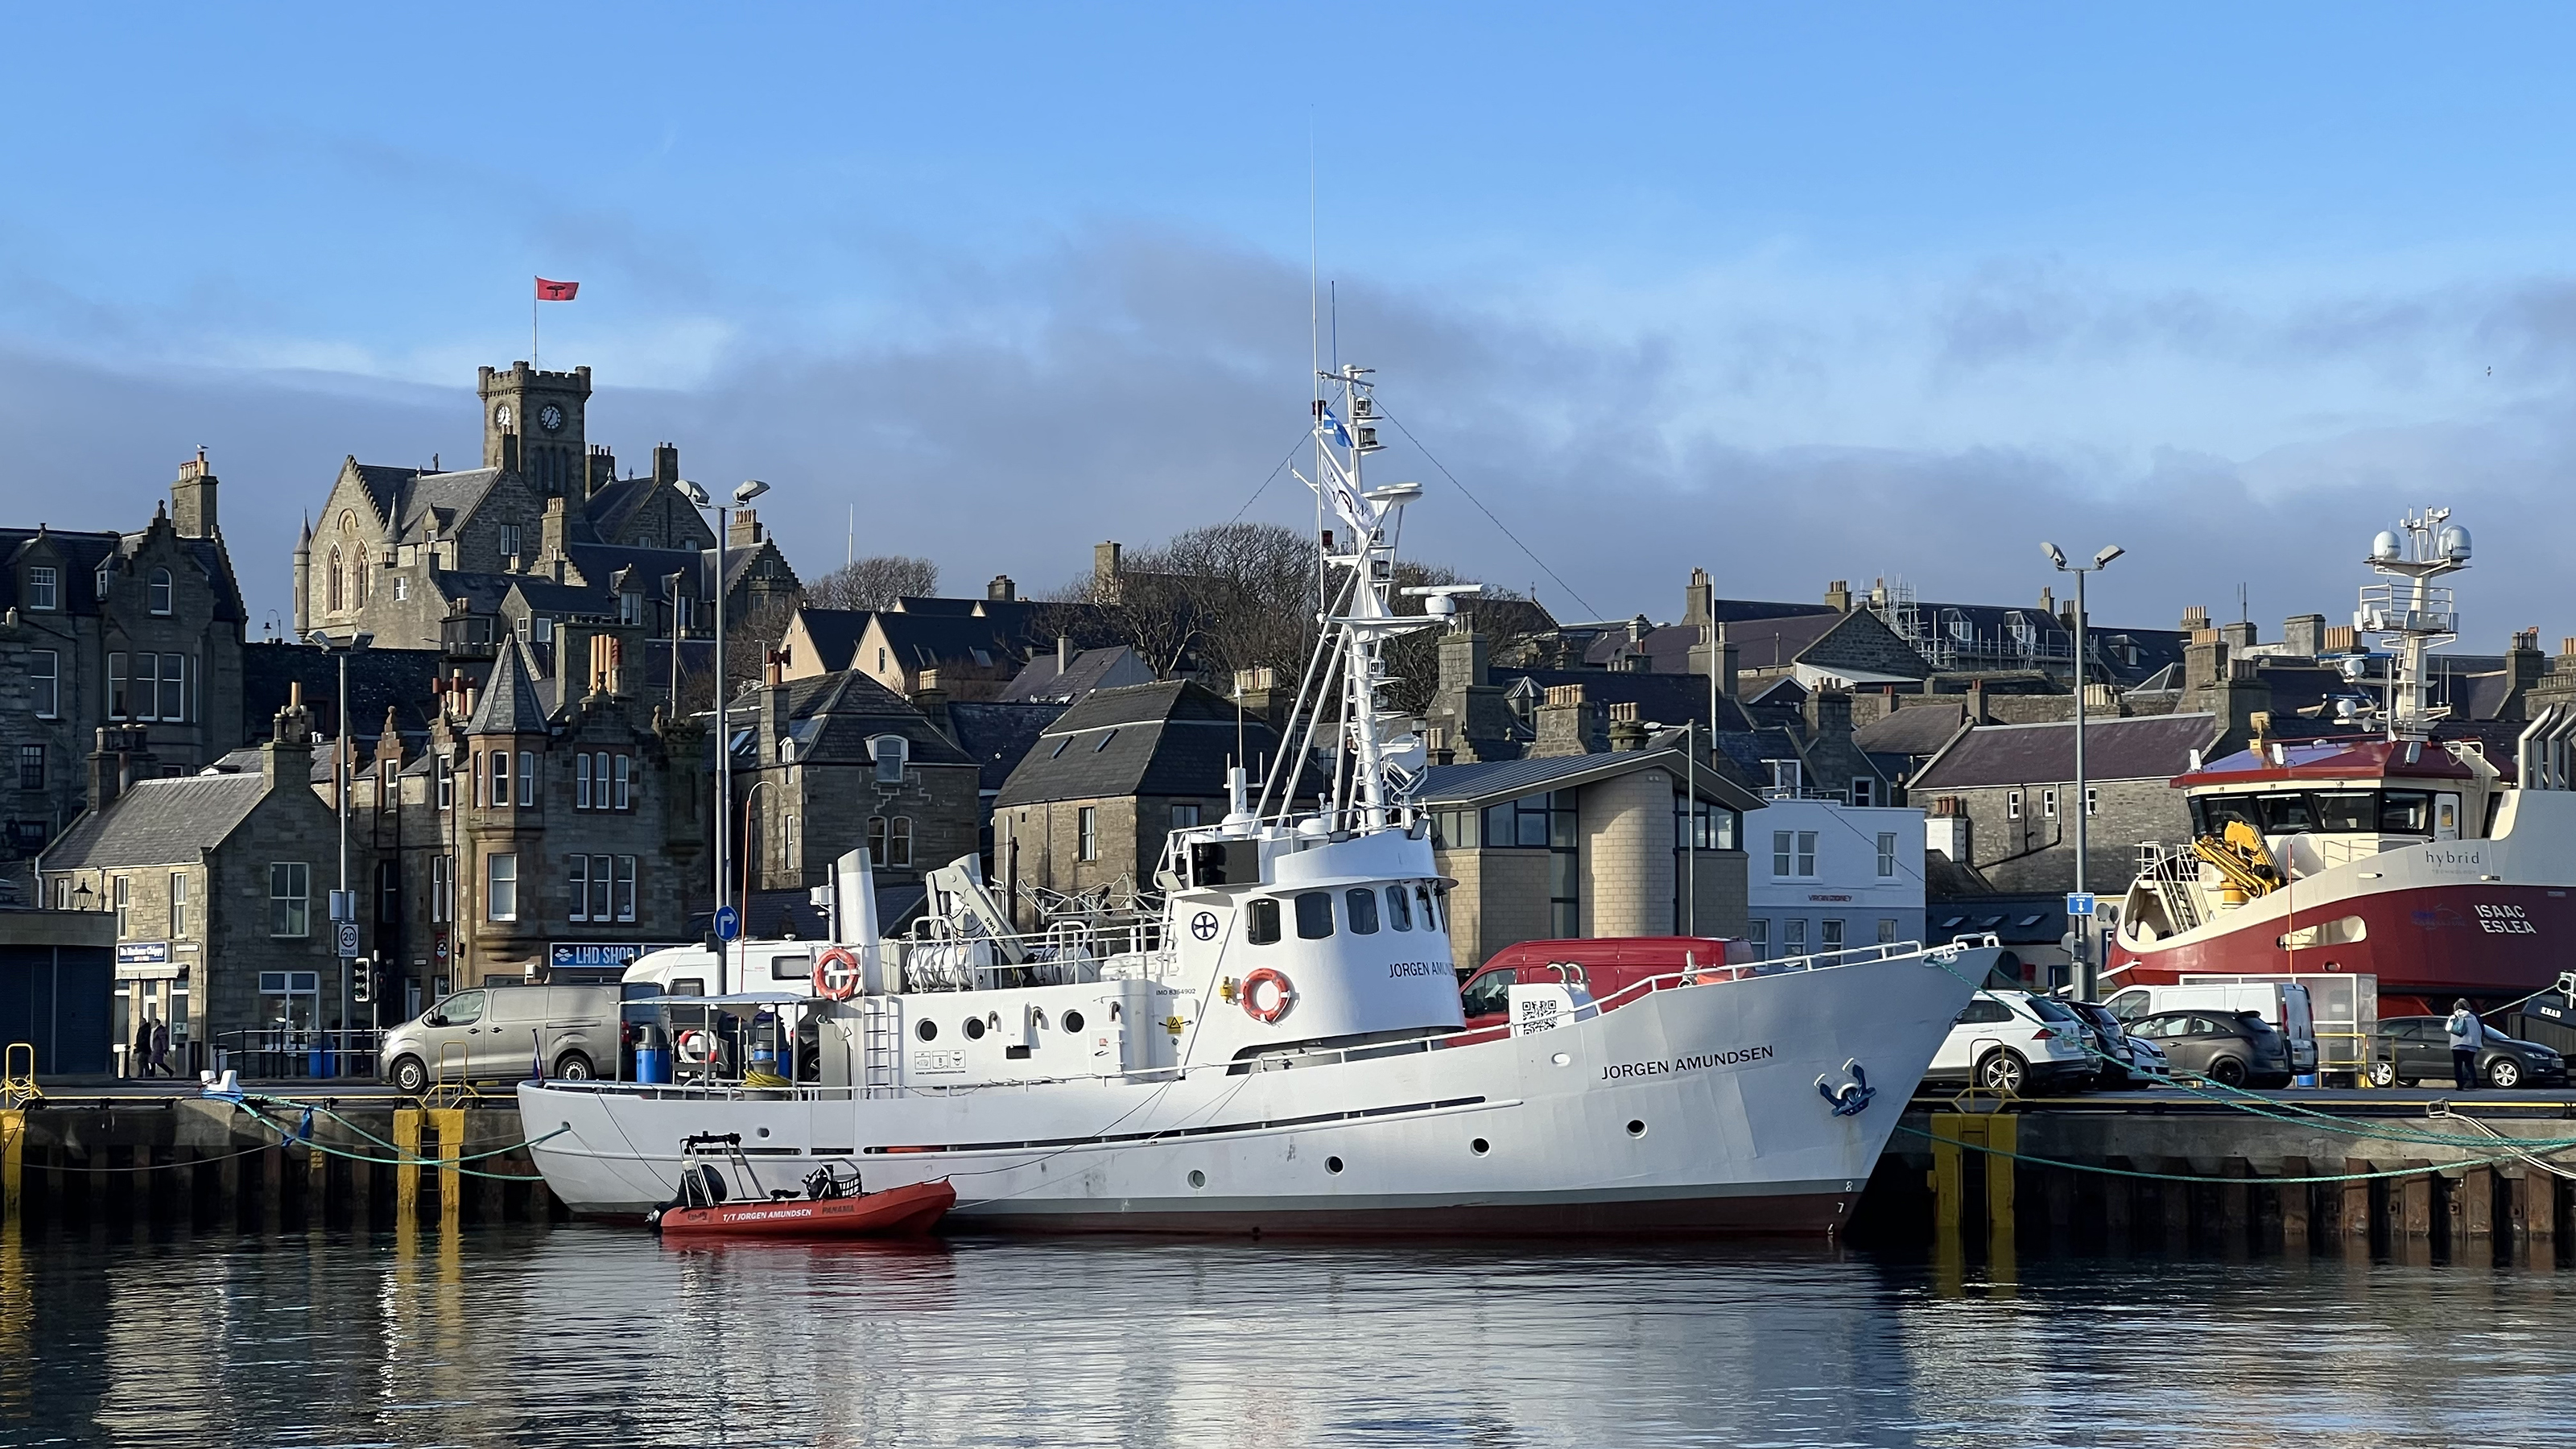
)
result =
(2246, 868)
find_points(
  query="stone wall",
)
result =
(1627, 860)
(2037, 852)
(1500, 899)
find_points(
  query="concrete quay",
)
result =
(141, 1159)
(2467, 1176)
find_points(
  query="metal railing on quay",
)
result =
(279, 1053)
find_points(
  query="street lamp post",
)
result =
(345, 760)
(2087, 978)
(749, 489)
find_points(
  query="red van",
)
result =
(1604, 968)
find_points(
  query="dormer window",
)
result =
(104, 566)
(630, 608)
(889, 753)
(161, 592)
(43, 590)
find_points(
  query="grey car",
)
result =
(2236, 1048)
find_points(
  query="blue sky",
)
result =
(1790, 293)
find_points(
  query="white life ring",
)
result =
(697, 1046)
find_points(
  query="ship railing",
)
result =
(720, 1089)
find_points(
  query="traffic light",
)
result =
(363, 989)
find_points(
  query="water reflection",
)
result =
(587, 1335)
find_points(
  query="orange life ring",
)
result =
(1283, 995)
(697, 1046)
(837, 974)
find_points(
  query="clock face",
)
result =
(501, 416)
(550, 418)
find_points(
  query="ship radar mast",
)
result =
(1382, 753)
(2413, 616)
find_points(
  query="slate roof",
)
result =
(833, 716)
(1039, 681)
(379, 679)
(509, 703)
(410, 497)
(1175, 737)
(998, 736)
(1918, 730)
(926, 641)
(2149, 747)
(1494, 781)
(1660, 698)
(160, 821)
(77, 592)
(835, 634)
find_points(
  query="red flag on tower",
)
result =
(556, 291)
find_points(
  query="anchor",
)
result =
(1851, 1098)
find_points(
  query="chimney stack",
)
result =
(1063, 655)
(192, 499)
(1001, 588)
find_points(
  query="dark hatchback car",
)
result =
(2418, 1048)
(2238, 1048)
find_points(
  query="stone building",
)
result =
(543, 542)
(141, 632)
(1091, 805)
(824, 765)
(1829, 876)
(2002, 800)
(219, 881)
(522, 837)
(1622, 842)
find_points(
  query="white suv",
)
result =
(2014, 1041)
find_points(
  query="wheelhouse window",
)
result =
(1399, 908)
(1359, 904)
(1261, 921)
(1314, 915)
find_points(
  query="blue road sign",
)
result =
(728, 923)
(2079, 903)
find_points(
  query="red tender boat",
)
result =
(896, 1212)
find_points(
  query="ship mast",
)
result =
(2413, 617)
(1384, 752)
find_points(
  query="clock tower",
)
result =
(533, 426)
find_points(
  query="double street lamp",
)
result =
(344, 906)
(698, 497)
(2087, 979)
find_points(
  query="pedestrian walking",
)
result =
(161, 1048)
(2468, 1034)
(140, 1062)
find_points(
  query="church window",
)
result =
(334, 576)
(402, 588)
(358, 578)
(161, 591)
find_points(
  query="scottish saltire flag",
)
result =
(1333, 424)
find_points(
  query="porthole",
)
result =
(927, 1031)
(1562, 1060)
(1332, 1164)
(1197, 1178)
(974, 1028)
(1636, 1128)
(1480, 1147)
(1073, 1021)
(764, 1131)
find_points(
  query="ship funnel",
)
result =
(854, 914)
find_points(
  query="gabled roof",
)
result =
(927, 641)
(1860, 645)
(1175, 737)
(419, 500)
(1660, 698)
(509, 704)
(1494, 781)
(834, 634)
(160, 821)
(2148, 747)
(81, 554)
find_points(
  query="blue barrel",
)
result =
(653, 1064)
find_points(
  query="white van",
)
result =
(2285, 1004)
(501, 1033)
(747, 966)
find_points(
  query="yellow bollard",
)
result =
(2002, 1138)
(450, 1122)
(13, 1157)
(407, 1124)
(1949, 1173)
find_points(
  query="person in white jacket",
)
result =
(2468, 1034)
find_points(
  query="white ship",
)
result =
(1277, 1046)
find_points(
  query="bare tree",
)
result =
(1210, 601)
(750, 635)
(874, 583)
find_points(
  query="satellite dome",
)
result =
(2455, 544)
(2383, 549)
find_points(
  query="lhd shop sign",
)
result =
(597, 954)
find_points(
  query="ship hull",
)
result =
(2491, 917)
(1690, 1111)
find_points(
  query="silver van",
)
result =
(500, 1033)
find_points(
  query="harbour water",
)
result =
(586, 1335)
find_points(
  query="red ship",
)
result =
(2406, 857)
